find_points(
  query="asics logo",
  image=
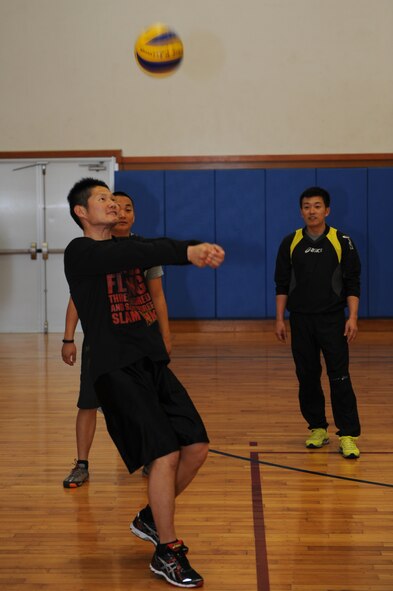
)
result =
(168, 567)
(311, 249)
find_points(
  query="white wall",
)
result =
(259, 77)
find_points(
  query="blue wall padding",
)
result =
(240, 229)
(190, 213)
(249, 212)
(380, 241)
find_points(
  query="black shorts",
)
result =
(148, 412)
(87, 394)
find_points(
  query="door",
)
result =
(35, 228)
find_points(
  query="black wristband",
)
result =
(66, 341)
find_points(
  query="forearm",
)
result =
(281, 331)
(281, 302)
(353, 306)
(68, 350)
(71, 320)
(351, 325)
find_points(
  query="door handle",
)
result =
(44, 251)
(33, 251)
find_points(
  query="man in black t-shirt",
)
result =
(148, 413)
(317, 275)
(87, 400)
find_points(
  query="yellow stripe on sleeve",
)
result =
(296, 239)
(332, 236)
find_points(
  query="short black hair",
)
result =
(316, 192)
(122, 194)
(80, 194)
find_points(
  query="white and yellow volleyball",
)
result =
(158, 50)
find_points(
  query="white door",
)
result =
(35, 228)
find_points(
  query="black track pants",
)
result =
(311, 334)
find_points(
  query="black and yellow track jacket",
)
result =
(317, 275)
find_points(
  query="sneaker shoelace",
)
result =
(317, 434)
(349, 443)
(77, 467)
(180, 550)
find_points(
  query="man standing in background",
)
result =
(317, 275)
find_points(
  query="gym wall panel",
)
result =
(190, 213)
(240, 229)
(249, 211)
(283, 189)
(380, 243)
(348, 192)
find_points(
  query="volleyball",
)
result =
(158, 50)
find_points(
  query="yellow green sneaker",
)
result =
(348, 447)
(318, 438)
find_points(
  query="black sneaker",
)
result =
(173, 565)
(78, 475)
(146, 530)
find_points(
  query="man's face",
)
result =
(314, 212)
(101, 210)
(126, 216)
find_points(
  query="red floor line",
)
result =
(262, 569)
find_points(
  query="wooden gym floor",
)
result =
(264, 513)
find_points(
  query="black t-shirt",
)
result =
(108, 288)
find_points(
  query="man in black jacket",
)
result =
(317, 275)
(148, 412)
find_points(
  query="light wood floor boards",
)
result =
(326, 524)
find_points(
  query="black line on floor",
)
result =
(303, 470)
